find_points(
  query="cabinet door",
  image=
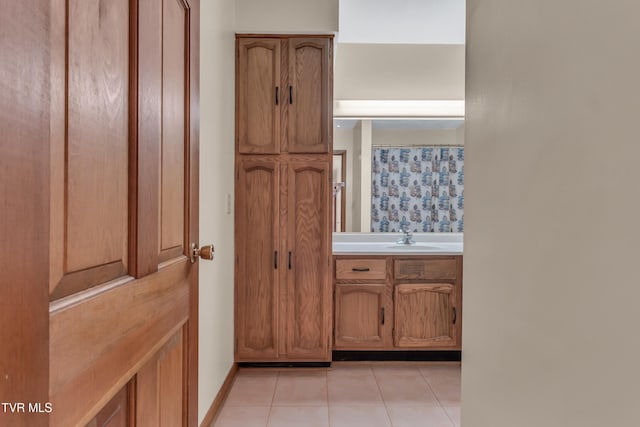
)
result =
(258, 96)
(257, 264)
(309, 95)
(360, 316)
(308, 294)
(425, 315)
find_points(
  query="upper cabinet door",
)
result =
(259, 96)
(309, 95)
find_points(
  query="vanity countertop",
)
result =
(385, 244)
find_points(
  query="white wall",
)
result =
(397, 137)
(407, 21)
(216, 181)
(286, 16)
(399, 72)
(343, 139)
(551, 284)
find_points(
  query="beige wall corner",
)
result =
(551, 205)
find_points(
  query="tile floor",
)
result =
(345, 395)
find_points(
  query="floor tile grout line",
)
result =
(273, 396)
(453, 423)
(384, 402)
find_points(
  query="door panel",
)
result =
(359, 318)
(257, 234)
(91, 198)
(309, 95)
(424, 315)
(259, 105)
(162, 377)
(172, 189)
(308, 312)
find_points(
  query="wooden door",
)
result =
(309, 95)
(258, 260)
(307, 318)
(117, 193)
(360, 316)
(425, 315)
(259, 95)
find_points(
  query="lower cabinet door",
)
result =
(425, 315)
(360, 316)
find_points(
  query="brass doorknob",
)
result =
(205, 252)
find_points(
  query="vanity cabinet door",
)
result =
(360, 317)
(259, 95)
(309, 95)
(425, 315)
(258, 261)
(307, 321)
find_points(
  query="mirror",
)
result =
(399, 174)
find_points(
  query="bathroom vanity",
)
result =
(390, 296)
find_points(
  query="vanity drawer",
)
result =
(425, 269)
(366, 268)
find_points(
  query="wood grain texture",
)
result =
(174, 128)
(308, 310)
(433, 268)
(257, 81)
(257, 284)
(424, 315)
(96, 161)
(115, 413)
(360, 269)
(145, 131)
(193, 232)
(160, 386)
(358, 316)
(309, 96)
(24, 205)
(97, 344)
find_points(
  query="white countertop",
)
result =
(385, 244)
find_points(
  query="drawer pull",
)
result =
(455, 315)
(360, 269)
(382, 315)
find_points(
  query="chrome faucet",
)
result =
(407, 239)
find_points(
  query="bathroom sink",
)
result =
(414, 247)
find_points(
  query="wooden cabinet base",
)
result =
(396, 303)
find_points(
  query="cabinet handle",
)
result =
(360, 269)
(275, 260)
(455, 315)
(290, 94)
(382, 315)
(289, 260)
(277, 95)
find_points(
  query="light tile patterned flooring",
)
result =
(346, 395)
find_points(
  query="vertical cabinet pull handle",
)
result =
(277, 95)
(289, 260)
(275, 260)
(382, 315)
(290, 94)
(455, 315)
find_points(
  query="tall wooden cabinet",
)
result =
(283, 198)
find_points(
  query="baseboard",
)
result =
(214, 409)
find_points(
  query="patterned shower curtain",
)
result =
(418, 189)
